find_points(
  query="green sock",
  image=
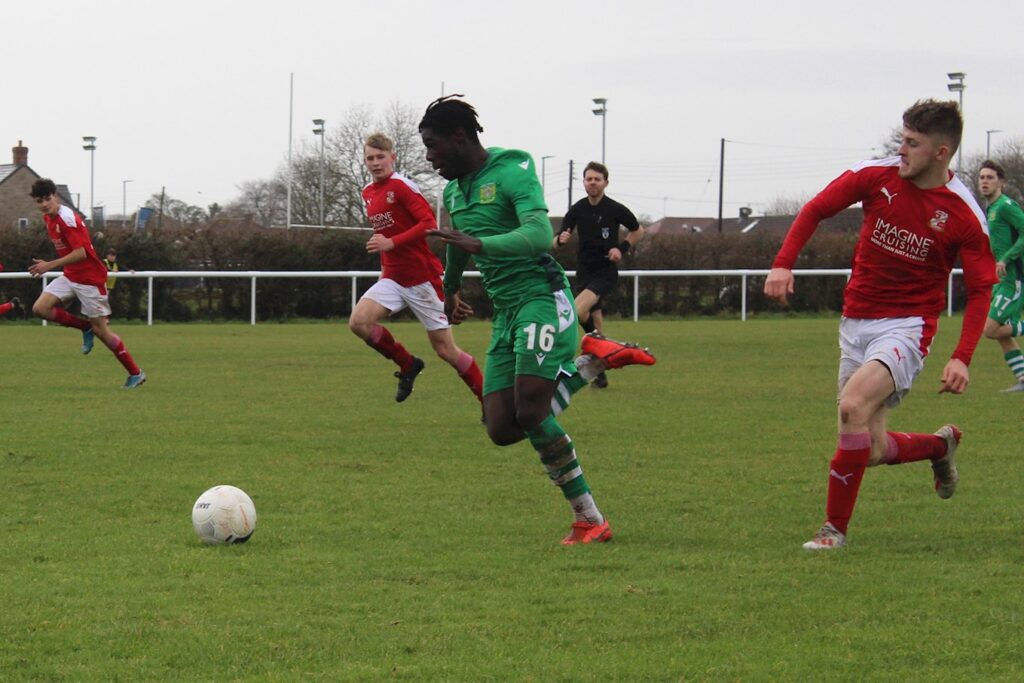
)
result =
(567, 386)
(557, 454)
(1015, 360)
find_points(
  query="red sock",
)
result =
(903, 447)
(844, 476)
(6, 307)
(62, 317)
(117, 348)
(382, 341)
(470, 374)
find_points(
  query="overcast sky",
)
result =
(193, 95)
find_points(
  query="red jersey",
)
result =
(397, 210)
(68, 232)
(909, 242)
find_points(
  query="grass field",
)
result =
(396, 543)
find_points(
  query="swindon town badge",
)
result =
(390, 199)
(938, 221)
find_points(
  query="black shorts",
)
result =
(601, 281)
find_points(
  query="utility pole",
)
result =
(721, 181)
(571, 174)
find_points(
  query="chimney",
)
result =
(20, 154)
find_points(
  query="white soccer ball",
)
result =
(224, 514)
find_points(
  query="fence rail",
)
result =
(355, 275)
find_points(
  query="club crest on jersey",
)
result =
(938, 221)
(488, 193)
(605, 232)
(390, 198)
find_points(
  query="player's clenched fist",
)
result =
(779, 284)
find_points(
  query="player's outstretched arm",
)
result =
(779, 284)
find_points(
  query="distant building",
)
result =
(17, 208)
(847, 220)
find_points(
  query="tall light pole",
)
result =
(90, 146)
(957, 85)
(124, 202)
(543, 172)
(988, 142)
(602, 111)
(319, 130)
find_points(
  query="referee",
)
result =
(598, 219)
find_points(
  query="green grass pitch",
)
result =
(396, 543)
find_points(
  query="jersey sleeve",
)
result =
(532, 237)
(627, 219)
(419, 209)
(569, 220)
(75, 235)
(455, 262)
(521, 181)
(847, 189)
(1014, 216)
(979, 275)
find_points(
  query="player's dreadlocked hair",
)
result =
(446, 115)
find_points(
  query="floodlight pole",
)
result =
(988, 142)
(90, 146)
(601, 111)
(319, 130)
(957, 85)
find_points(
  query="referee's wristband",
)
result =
(624, 247)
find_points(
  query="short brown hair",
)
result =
(933, 117)
(598, 167)
(1000, 173)
(380, 141)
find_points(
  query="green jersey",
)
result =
(1006, 231)
(502, 205)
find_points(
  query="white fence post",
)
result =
(149, 300)
(949, 295)
(353, 292)
(636, 298)
(743, 297)
(252, 303)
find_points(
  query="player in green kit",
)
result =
(1006, 233)
(500, 219)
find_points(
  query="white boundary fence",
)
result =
(355, 275)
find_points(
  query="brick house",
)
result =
(17, 208)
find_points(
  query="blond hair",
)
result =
(380, 141)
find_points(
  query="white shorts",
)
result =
(94, 300)
(422, 300)
(901, 344)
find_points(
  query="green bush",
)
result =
(184, 299)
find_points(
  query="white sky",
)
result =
(194, 95)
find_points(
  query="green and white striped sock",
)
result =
(567, 386)
(1015, 361)
(558, 456)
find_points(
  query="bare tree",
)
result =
(785, 205)
(891, 142)
(345, 173)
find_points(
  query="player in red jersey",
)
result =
(410, 273)
(918, 218)
(84, 278)
(13, 304)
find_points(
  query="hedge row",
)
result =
(229, 299)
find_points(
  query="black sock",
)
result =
(588, 325)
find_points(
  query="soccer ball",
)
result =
(224, 514)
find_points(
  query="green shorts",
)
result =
(537, 337)
(1006, 301)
